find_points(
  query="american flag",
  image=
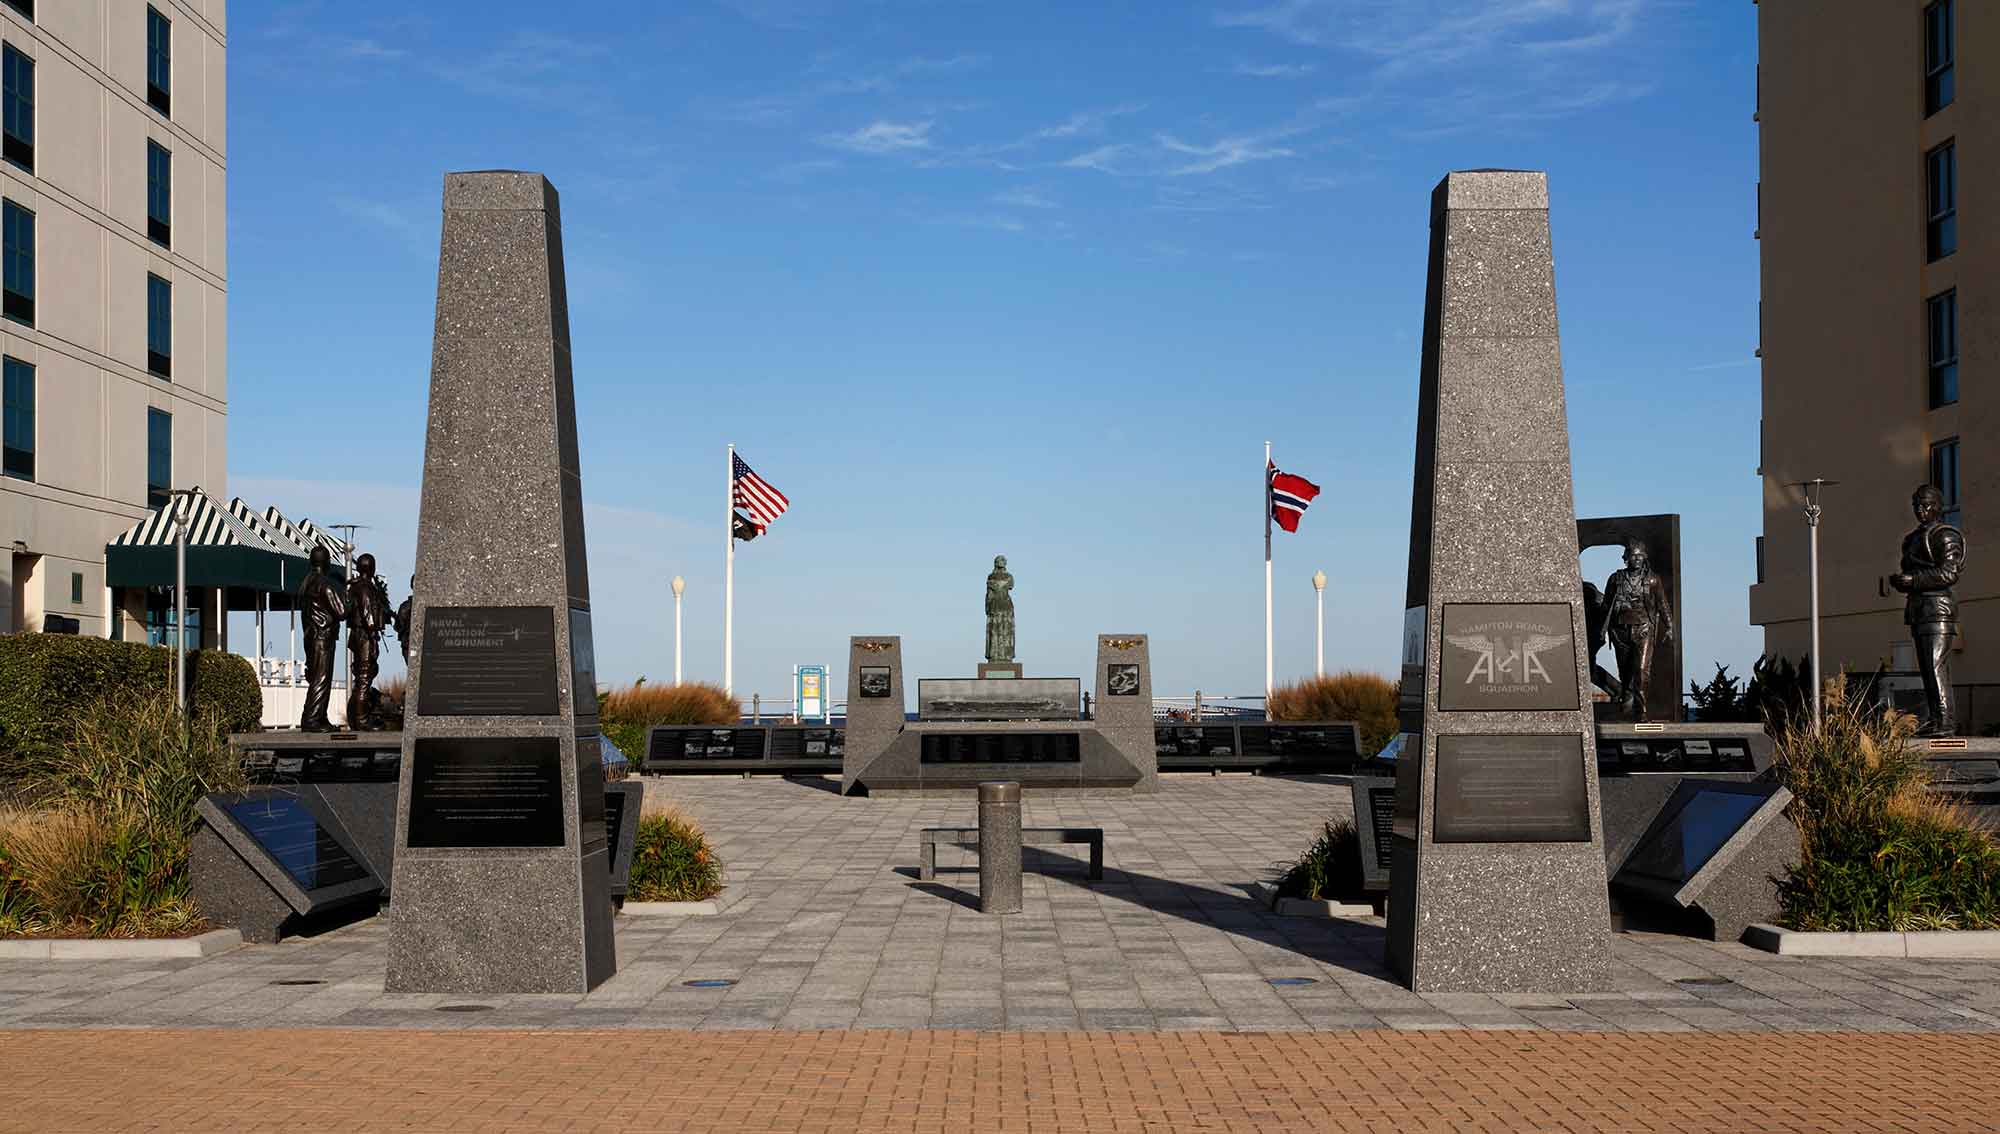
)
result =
(1290, 494)
(755, 495)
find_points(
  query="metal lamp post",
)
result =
(1813, 488)
(1319, 635)
(178, 501)
(680, 585)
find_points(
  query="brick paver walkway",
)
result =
(1038, 1082)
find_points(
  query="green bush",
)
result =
(104, 853)
(49, 681)
(1330, 870)
(1365, 698)
(672, 862)
(1877, 851)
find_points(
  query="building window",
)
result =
(17, 108)
(1760, 559)
(25, 7)
(1941, 312)
(159, 458)
(76, 588)
(17, 263)
(17, 414)
(160, 618)
(1944, 477)
(159, 194)
(1941, 225)
(159, 61)
(159, 326)
(1938, 53)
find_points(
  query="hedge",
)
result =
(48, 680)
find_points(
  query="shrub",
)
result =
(625, 714)
(1330, 870)
(671, 861)
(1877, 851)
(1364, 698)
(105, 853)
(49, 681)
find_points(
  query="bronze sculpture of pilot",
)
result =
(1637, 616)
(322, 605)
(367, 614)
(1933, 557)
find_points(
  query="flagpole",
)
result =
(729, 578)
(1267, 578)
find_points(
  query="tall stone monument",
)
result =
(1498, 874)
(502, 880)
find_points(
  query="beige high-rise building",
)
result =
(112, 168)
(1880, 321)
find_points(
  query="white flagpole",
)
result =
(1267, 577)
(729, 580)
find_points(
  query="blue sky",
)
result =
(967, 279)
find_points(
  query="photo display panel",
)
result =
(489, 661)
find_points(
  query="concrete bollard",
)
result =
(1000, 847)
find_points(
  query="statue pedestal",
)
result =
(1000, 669)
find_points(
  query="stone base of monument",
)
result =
(1024, 730)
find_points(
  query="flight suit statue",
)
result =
(1637, 616)
(1933, 557)
(322, 605)
(368, 614)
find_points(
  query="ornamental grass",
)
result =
(96, 842)
(1878, 851)
(1330, 870)
(1365, 698)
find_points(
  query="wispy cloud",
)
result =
(1222, 153)
(1727, 364)
(400, 221)
(1532, 57)
(1024, 198)
(882, 137)
(1272, 70)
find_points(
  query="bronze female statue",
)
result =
(999, 612)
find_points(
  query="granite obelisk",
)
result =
(1498, 876)
(502, 880)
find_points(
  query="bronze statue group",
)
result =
(363, 604)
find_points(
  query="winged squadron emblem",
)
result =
(1498, 663)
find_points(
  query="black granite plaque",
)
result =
(1507, 657)
(1381, 819)
(488, 661)
(488, 792)
(1511, 789)
(614, 819)
(296, 840)
(1682, 843)
(1673, 754)
(1002, 748)
(875, 681)
(582, 663)
(591, 823)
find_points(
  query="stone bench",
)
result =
(968, 837)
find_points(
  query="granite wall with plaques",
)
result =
(875, 714)
(502, 873)
(1497, 878)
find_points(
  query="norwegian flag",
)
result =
(1290, 494)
